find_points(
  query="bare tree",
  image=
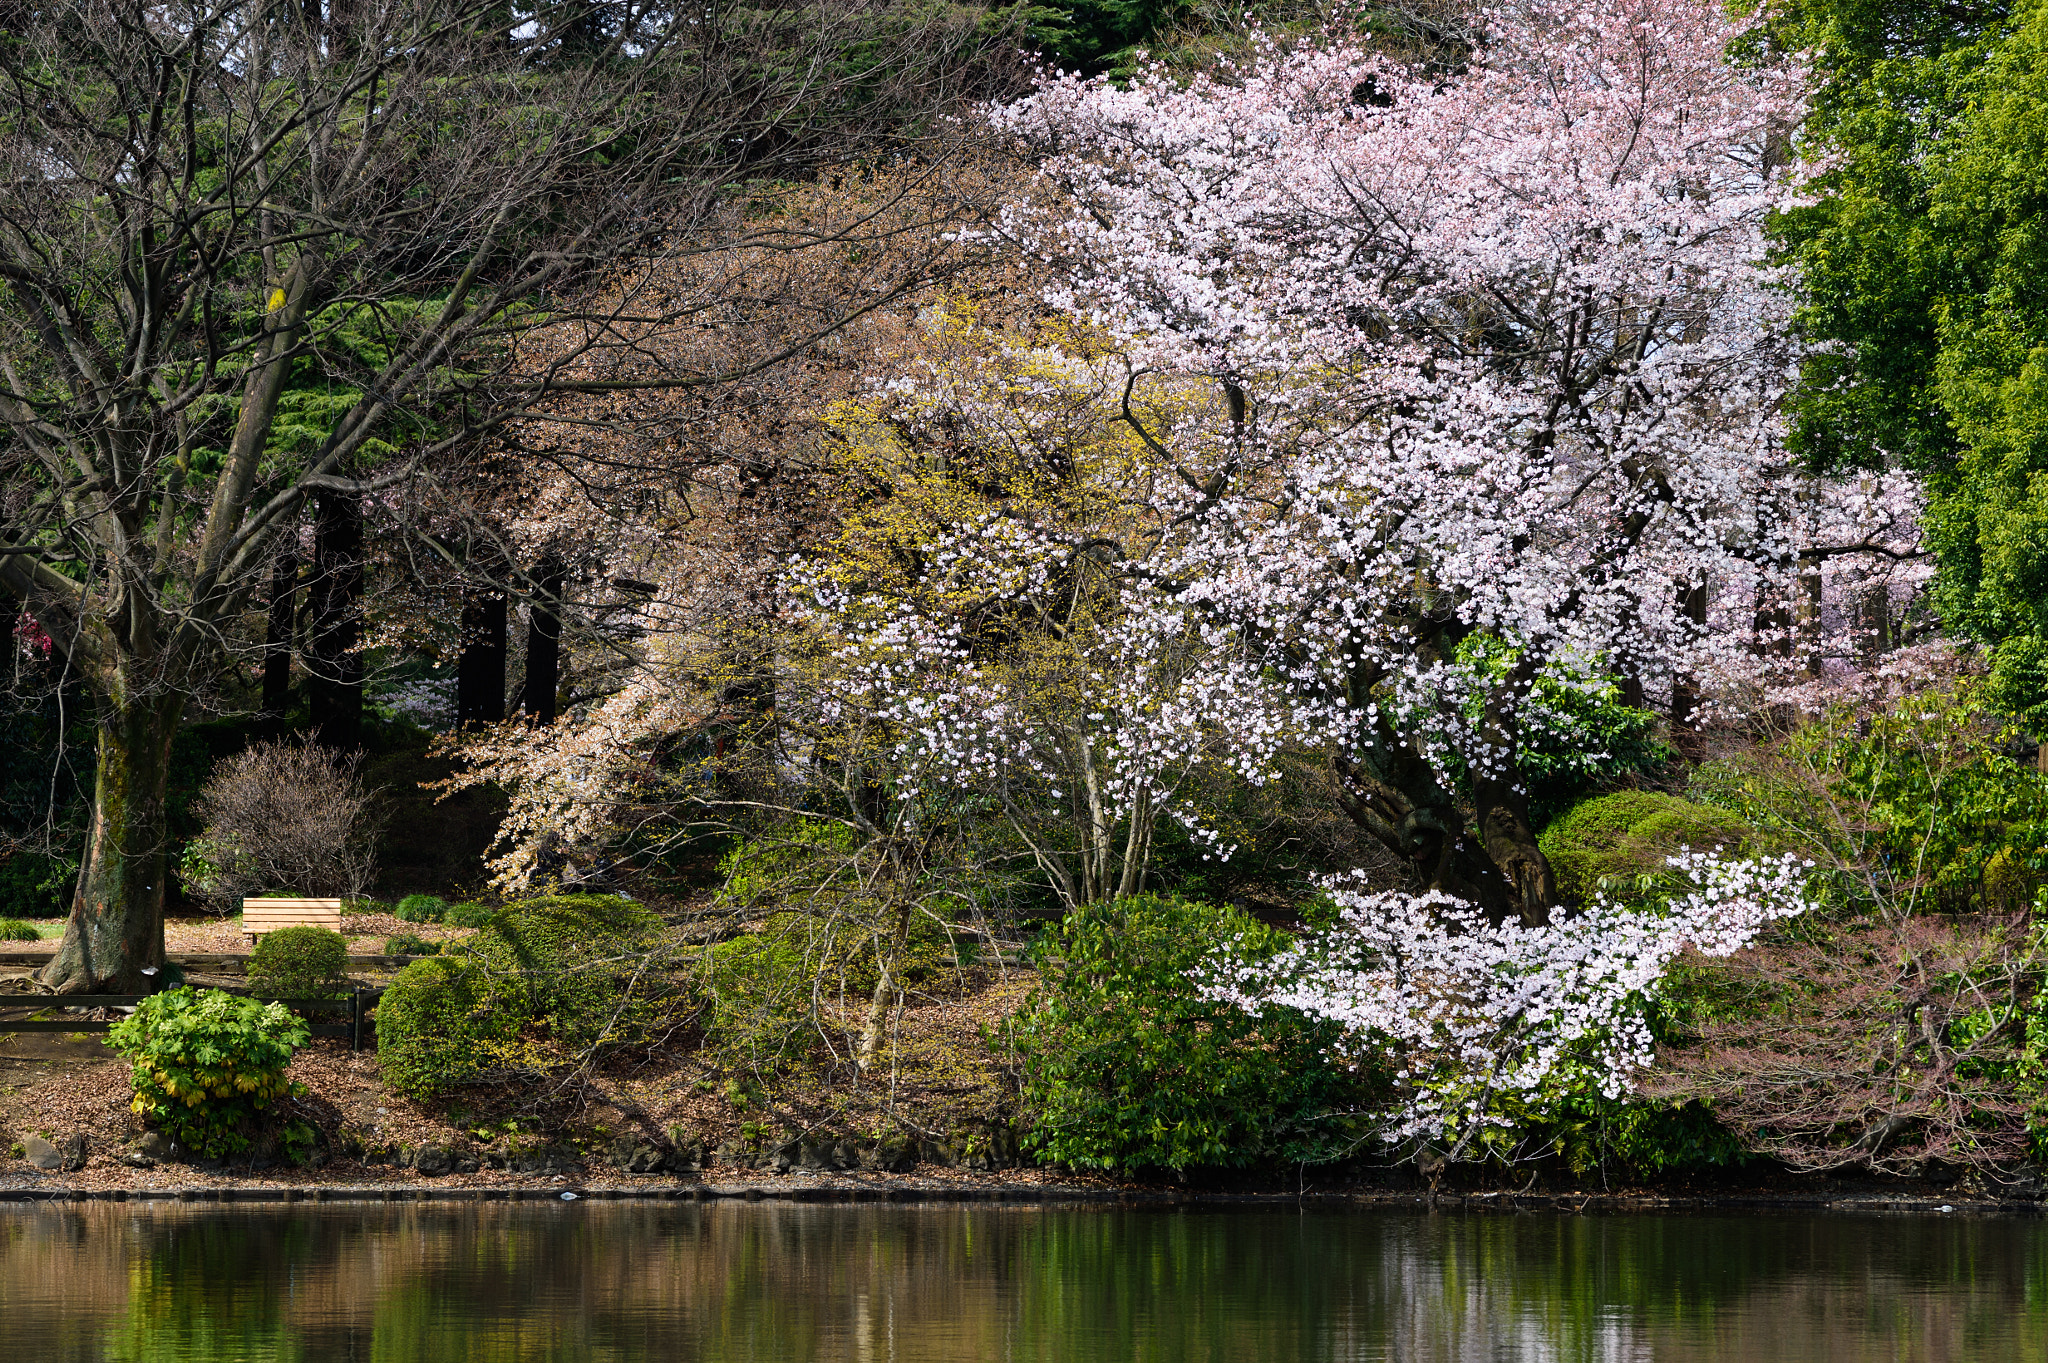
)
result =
(284, 816)
(254, 253)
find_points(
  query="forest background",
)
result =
(1411, 585)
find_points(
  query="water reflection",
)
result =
(729, 1281)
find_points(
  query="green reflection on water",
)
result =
(744, 1282)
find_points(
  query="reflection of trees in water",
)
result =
(487, 1282)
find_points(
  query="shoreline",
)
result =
(905, 1192)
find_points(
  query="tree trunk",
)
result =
(277, 640)
(116, 928)
(1500, 805)
(1807, 616)
(480, 674)
(543, 646)
(886, 957)
(334, 657)
(1392, 793)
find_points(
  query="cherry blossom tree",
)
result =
(1464, 1012)
(1498, 366)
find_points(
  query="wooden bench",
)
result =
(267, 915)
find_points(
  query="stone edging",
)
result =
(1025, 1195)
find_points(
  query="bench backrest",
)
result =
(264, 915)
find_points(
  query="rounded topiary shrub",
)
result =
(208, 1065)
(442, 1022)
(300, 963)
(1622, 841)
(422, 908)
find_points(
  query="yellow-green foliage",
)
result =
(2009, 883)
(207, 1065)
(546, 983)
(303, 962)
(444, 1021)
(1033, 430)
(1620, 842)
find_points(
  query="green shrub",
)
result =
(207, 1065)
(577, 956)
(405, 944)
(14, 930)
(300, 963)
(469, 916)
(1936, 797)
(547, 982)
(1621, 842)
(1127, 1066)
(422, 908)
(444, 1021)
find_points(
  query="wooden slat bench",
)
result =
(267, 915)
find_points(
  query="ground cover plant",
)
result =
(208, 1066)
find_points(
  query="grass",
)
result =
(45, 931)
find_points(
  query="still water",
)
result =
(734, 1281)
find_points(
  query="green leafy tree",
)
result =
(1925, 268)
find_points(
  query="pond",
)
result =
(921, 1284)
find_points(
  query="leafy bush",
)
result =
(300, 963)
(405, 944)
(1127, 1065)
(444, 1021)
(468, 916)
(207, 1065)
(547, 983)
(1585, 1130)
(422, 908)
(1620, 841)
(1576, 735)
(1932, 800)
(281, 815)
(14, 930)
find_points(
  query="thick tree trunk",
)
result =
(1500, 803)
(333, 654)
(543, 647)
(480, 672)
(116, 928)
(1393, 794)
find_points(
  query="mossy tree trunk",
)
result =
(116, 928)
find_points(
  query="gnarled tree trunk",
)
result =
(116, 928)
